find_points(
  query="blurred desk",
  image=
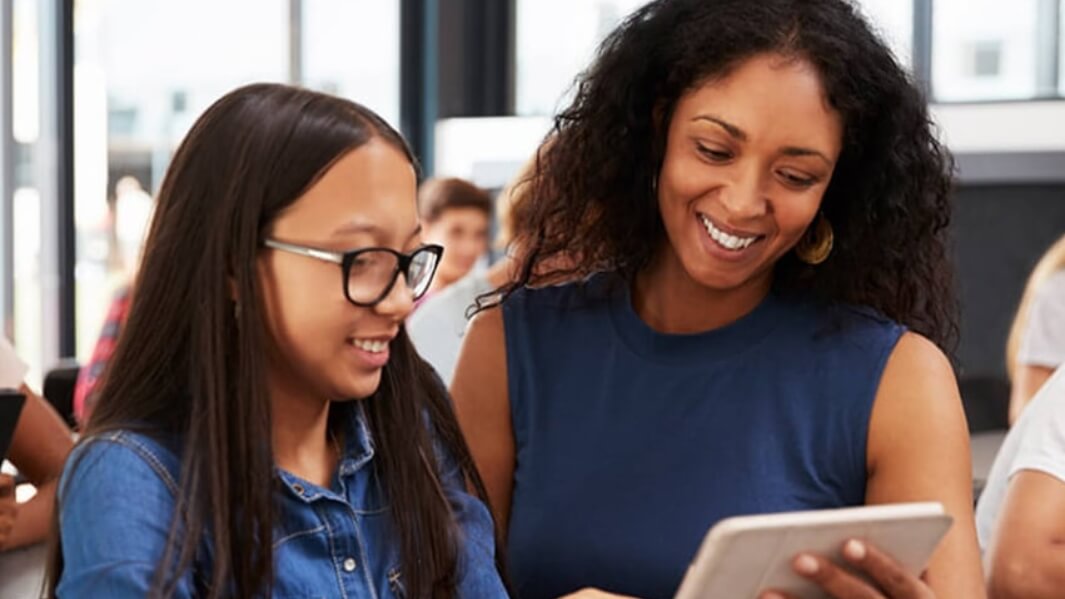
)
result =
(22, 572)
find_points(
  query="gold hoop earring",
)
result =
(816, 245)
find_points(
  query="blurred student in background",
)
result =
(1037, 338)
(132, 213)
(1021, 514)
(457, 215)
(439, 324)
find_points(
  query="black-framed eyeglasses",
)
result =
(370, 273)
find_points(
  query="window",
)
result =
(351, 49)
(893, 20)
(1061, 49)
(146, 69)
(556, 39)
(32, 321)
(988, 50)
(546, 71)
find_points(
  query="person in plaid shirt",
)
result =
(89, 374)
(131, 212)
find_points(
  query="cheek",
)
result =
(682, 180)
(302, 308)
(273, 289)
(794, 215)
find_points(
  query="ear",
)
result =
(658, 115)
(661, 117)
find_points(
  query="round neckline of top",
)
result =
(686, 349)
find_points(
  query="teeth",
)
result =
(374, 347)
(725, 240)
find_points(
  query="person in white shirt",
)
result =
(1020, 518)
(438, 325)
(1037, 338)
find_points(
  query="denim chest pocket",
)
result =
(396, 584)
(311, 561)
(302, 564)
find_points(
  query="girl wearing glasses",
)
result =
(265, 428)
(754, 207)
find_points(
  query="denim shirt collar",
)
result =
(358, 451)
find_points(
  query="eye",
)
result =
(796, 180)
(362, 263)
(369, 260)
(714, 154)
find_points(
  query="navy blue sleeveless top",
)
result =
(630, 443)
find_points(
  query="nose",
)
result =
(399, 302)
(745, 198)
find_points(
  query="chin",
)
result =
(361, 389)
(709, 277)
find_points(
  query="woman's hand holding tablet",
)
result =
(873, 552)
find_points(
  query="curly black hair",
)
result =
(592, 208)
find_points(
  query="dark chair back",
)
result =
(59, 389)
(986, 400)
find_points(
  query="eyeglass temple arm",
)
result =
(305, 251)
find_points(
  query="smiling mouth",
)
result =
(733, 243)
(372, 346)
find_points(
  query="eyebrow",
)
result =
(729, 128)
(739, 134)
(366, 227)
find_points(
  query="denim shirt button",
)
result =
(298, 488)
(349, 565)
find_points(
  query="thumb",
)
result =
(7, 485)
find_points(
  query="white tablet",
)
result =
(743, 556)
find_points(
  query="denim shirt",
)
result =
(117, 505)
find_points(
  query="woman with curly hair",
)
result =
(752, 209)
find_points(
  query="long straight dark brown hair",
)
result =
(186, 368)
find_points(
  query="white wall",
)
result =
(1002, 127)
(489, 150)
(486, 150)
